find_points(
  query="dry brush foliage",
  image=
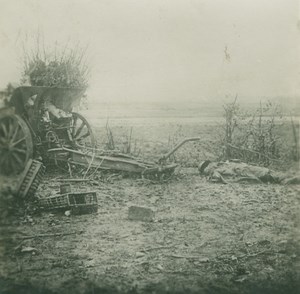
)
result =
(66, 67)
(254, 137)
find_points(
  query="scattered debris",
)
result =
(139, 254)
(43, 235)
(67, 212)
(157, 248)
(160, 267)
(77, 202)
(241, 279)
(204, 259)
(233, 258)
(188, 257)
(28, 250)
(30, 179)
(99, 159)
(72, 180)
(90, 263)
(139, 213)
(65, 188)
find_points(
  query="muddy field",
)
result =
(205, 238)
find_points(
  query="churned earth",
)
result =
(205, 237)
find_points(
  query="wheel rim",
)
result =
(15, 144)
(81, 132)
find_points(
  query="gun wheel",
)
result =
(81, 132)
(16, 146)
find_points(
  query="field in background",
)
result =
(152, 129)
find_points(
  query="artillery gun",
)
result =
(39, 122)
(38, 119)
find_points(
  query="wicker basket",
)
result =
(77, 202)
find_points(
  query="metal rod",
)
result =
(166, 156)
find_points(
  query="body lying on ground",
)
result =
(237, 171)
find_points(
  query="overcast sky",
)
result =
(164, 50)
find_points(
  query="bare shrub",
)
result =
(252, 137)
(54, 67)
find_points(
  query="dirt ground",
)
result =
(205, 238)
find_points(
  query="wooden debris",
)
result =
(183, 256)
(157, 248)
(139, 254)
(28, 250)
(42, 236)
(72, 180)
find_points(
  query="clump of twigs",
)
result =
(231, 111)
(252, 137)
(122, 143)
(66, 67)
(110, 145)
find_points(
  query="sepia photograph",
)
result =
(149, 146)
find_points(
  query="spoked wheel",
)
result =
(81, 132)
(16, 146)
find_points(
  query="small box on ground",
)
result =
(139, 213)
